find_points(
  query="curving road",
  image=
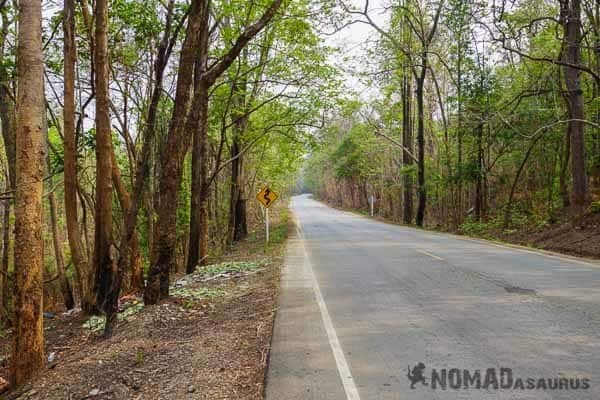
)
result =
(361, 301)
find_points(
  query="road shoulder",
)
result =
(301, 363)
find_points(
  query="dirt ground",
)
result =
(578, 238)
(212, 348)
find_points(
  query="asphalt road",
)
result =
(362, 300)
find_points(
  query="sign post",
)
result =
(267, 197)
(267, 218)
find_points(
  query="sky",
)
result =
(353, 42)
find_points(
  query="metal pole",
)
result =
(372, 204)
(267, 220)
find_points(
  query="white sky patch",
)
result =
(353, 41)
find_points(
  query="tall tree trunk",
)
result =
(238, 229)
(198, 123)
(158, 276)
(142, 173)
(199, 203)
(479, 185)
(421, 189)
(571, 19)
(65, 286)
(83, 270)
(103, 260)
(173, 154)
(28, 350)
(8, 128)
(407, 160)
(459, 133)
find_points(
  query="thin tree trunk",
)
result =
(158, 276)
(199, 202)
(134, 262)
(28, 347)
(65, 286)
(407, 160)
(421, 189)
(480, 172)
(103, 260)
(163, 250)
(83, 270)
(142, 173)
(508, 209)
(7, 105)
(238, 229)
(4, 306)
(8, 129)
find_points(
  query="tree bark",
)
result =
(173, 154)
(142, 173)
(480, 173)
(407, 160)
(28, 347)
(83, 270)
(421, 189)
(8, 129)
(201, 184)
(238, 229)
(65, 286)
(4, 306)
(103, 260)
(197, 248)
(7, 105)
(571, 20)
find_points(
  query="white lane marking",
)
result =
(334, 343)
(429, 254)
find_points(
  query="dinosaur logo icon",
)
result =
(416, 375)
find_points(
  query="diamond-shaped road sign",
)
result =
(267, 197)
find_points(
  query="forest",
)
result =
(486, 116)
(136, 133)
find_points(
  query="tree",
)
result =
(104, 262)
(8, 129)
(82, 268)
(28, 351)
(197, 36)
(570, 17)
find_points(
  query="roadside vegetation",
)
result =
(135, 136)
(485, 121)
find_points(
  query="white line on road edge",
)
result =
(429, 254)
(336, 348)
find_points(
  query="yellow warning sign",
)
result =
(267, 197)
